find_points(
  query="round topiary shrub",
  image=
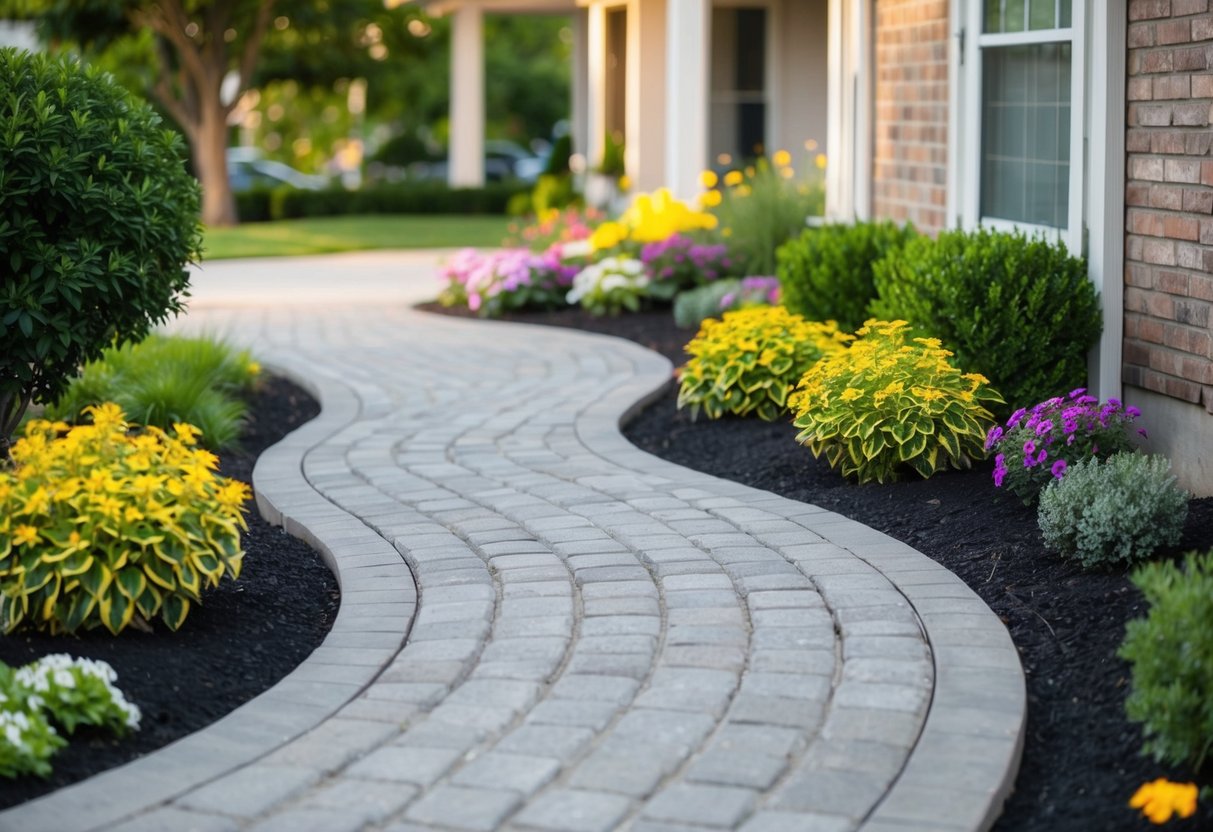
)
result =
(826, 272)
(1020, 311)
(98, 220)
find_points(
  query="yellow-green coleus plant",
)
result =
(105, 524)
(885, 405)
(748, 361)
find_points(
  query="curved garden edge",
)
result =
(303, 699)
(968, 754)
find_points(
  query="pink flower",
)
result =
(1059, 469)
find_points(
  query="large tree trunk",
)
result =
(208, 144)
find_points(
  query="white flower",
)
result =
(576, 248)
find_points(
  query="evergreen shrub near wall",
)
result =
(826, 273)
(1018, 310)
(403, 198)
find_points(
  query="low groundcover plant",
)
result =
(1115, 511)
(747, 362)
(56, 688)
(105, 525)
(1037, 446)
(610, 286)
(883, 405)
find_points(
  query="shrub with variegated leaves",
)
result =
(108, 524)
(885, 405)
(748, 361)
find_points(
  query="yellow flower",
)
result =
(708, 179)
(608, 235)
(186, 434)
(253, 368)
(625, 183)
(851, 394)
(107, 416)
(710, 199)
(820, 161)
(733, 178)
(781, 158)
(25, 535)
(1160, 799)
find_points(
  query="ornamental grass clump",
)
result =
(61, 690)
(166, 379)
(1113, 512)
(98, 221)
(1037, 446)
(108, 525)
(748, 361)
(610, 286)
(886, 405)
(1170, 654)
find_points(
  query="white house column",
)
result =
(646, 114)
(466, 161)
(688, 38)
(849, 174)
(596, 67)
(580, 77)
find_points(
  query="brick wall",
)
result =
(1169, 196)
(910, 148)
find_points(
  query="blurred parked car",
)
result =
(248, 169)
(502, 161)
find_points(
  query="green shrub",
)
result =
(106, 525)
(168, 379)
(98, 220)
(1018, 310)
(1117, 511)
(884, 405)
(762, 207)
(71, 692)
(693, 306)
(1170, 652)
(826, 272)
(748, 361)
(284, 203)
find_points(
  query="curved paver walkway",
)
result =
(543, 628)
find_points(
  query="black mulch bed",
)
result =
(243, 638)
(1081, 761)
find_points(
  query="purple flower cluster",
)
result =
(508, 278)
(1038, 445)
(755, 290)
(679, 259)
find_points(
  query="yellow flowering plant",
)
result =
(1159, 799)
(885, 404)
(649, 219)
(748, 361)
(108, 524)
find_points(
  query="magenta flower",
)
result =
(1044, 427)
(994, 435)
(1016, 417)
(1059, 469)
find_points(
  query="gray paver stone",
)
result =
(250, 791)
(715, 805)
(475, 809)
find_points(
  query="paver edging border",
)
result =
(977, 716)
(292, 706)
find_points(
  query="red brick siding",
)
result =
(910, 148)
(1169, 200)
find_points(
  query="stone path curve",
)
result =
(544, 628)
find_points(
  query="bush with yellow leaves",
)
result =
(748, 361)
(884, 405)
(108, 524)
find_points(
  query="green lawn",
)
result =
(319, 235)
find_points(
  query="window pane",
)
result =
(1066, 16)
(1005, 16)
(1042, 15)
(1025, 123)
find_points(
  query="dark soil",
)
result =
(239, 641)
(1081, 762)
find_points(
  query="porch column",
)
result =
(849, 151)
(646, 85)
(688, 39)
(465, 164)
(580, 77)
(596, 70)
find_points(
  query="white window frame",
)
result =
(974, 40)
